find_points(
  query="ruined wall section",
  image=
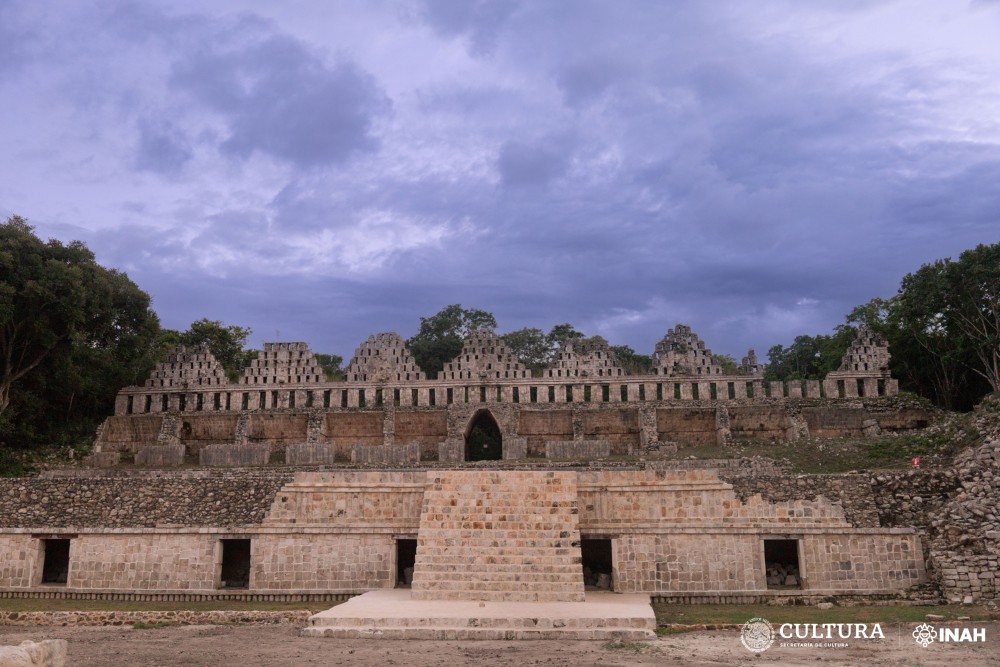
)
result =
(868, 355)
(484, 357)
(283, 363)
(586, 358)
(383, 358)
(196, 367)
(681, 353)
(853, 493)
(117, 499)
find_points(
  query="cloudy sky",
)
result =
(324, 170)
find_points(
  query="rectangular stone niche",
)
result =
(55, 564)
(235, 570)
(781, 560)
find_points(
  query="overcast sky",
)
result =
(321, 171)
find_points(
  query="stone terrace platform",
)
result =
(394, 614)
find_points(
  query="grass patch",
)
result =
(697, 614)
(153, 625)
(23, 604)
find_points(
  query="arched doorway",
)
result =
(483, 440)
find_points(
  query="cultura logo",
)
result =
(925, 635)
(757, 635)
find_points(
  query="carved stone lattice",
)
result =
(383, 358)
(682, 353)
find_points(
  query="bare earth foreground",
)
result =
(256, 645)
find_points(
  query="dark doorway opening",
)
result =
(235, 564)
(406, 556)
(484, 441)
(781, 560)
(597, 564)
(55, 567)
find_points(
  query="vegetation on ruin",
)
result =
(226, 342)
(441, 335)
(72, 333)
(942, 326)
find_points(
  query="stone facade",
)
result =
(283, 363)
(868, 355)
(586, 358)
(681, 353)
(383, 358)
(672, 532)
(188, 368)
(484, 356)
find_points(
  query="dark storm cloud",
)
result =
(532, 164)
(282, 100)
(479, 20)
(162, 148)
(582, 81)
(755, 171)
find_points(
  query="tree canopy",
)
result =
(226, 342)
(71, 334)
(440, 337)
(809, 357)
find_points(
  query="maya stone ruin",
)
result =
(484, 484)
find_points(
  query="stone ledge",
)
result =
(97, 618)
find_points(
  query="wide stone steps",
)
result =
(392, 614)
(488, 535)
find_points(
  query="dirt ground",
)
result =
(256, 645)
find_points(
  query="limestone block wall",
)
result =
(428, 428)
(386, 453)
(619, 427)
(143, 562)
(128, 433)
(373, 501)
(688, 563)
(18, 567)
(843, 562)
(215, 429)
(310, 453)
(234, 455)
(694, 427)
(569, 449)
(277, 429)
(764, 422)
(322, 562)
(346, 429)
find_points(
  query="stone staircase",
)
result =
(509, 536)
(393, 614)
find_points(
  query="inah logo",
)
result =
(924, 634)
(757, 635)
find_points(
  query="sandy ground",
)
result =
(252, 646)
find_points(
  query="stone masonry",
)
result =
(510, 536)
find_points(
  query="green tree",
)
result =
(227, 343)
(330, 363)
(630, 361)
(71, 334)
(530, 346)
(440, 337)
(809, 357)
(562, 333)
(727, 362)
(943, 328)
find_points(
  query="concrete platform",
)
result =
(394, 614)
